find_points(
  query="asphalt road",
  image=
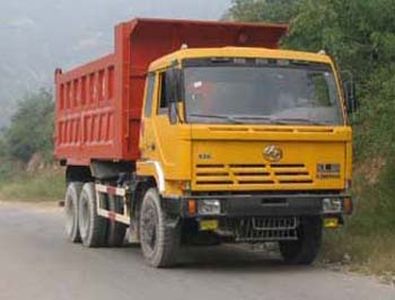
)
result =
(36, 262)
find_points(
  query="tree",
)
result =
(279, 11)
(31, 127)
(3, 144)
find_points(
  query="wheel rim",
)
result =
(84, 219)
(70, 216)
(149, 229)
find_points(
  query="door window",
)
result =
(163, 105)
(150, 94)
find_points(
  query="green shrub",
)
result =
(31, 128)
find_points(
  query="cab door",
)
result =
(167, 137)
(147, 138)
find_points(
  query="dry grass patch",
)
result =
(43, 185)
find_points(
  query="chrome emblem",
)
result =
(273, 153)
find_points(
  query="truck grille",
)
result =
(262, 229)
(251, 174)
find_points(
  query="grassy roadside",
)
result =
(366, 244)
(43, 185)
(372, 253)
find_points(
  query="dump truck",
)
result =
(202, 133)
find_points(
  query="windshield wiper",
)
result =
(274, 120)
(298, 120)
(263, 118)
(270, 119)
(223, 117)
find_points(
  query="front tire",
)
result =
(159, 240)
(93, 228)
(306, 248)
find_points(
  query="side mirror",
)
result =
(173, 92)
(173, 85)
(349, 92)
(173, 112)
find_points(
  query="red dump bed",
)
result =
(98, 105)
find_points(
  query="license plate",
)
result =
(208, 224)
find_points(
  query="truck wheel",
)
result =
(159, 241)
(71, 211)
(306, 248)
(115, 231)
(93, 227)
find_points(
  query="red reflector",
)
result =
(111, 215)
(111, 190)
(348, 206)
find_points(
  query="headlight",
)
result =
(331, 205)
(209, 207)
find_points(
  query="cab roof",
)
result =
(244, 52)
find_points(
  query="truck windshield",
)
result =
(273, 94)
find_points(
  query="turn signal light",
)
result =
(192, 207)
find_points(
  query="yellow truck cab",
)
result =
(249, 143)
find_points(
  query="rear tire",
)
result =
(71, 211)
(92, 227)
(306, 248)
(159, 240)
(115, 231)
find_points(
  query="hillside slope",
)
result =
(38, 36)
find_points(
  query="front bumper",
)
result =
(258, 205)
